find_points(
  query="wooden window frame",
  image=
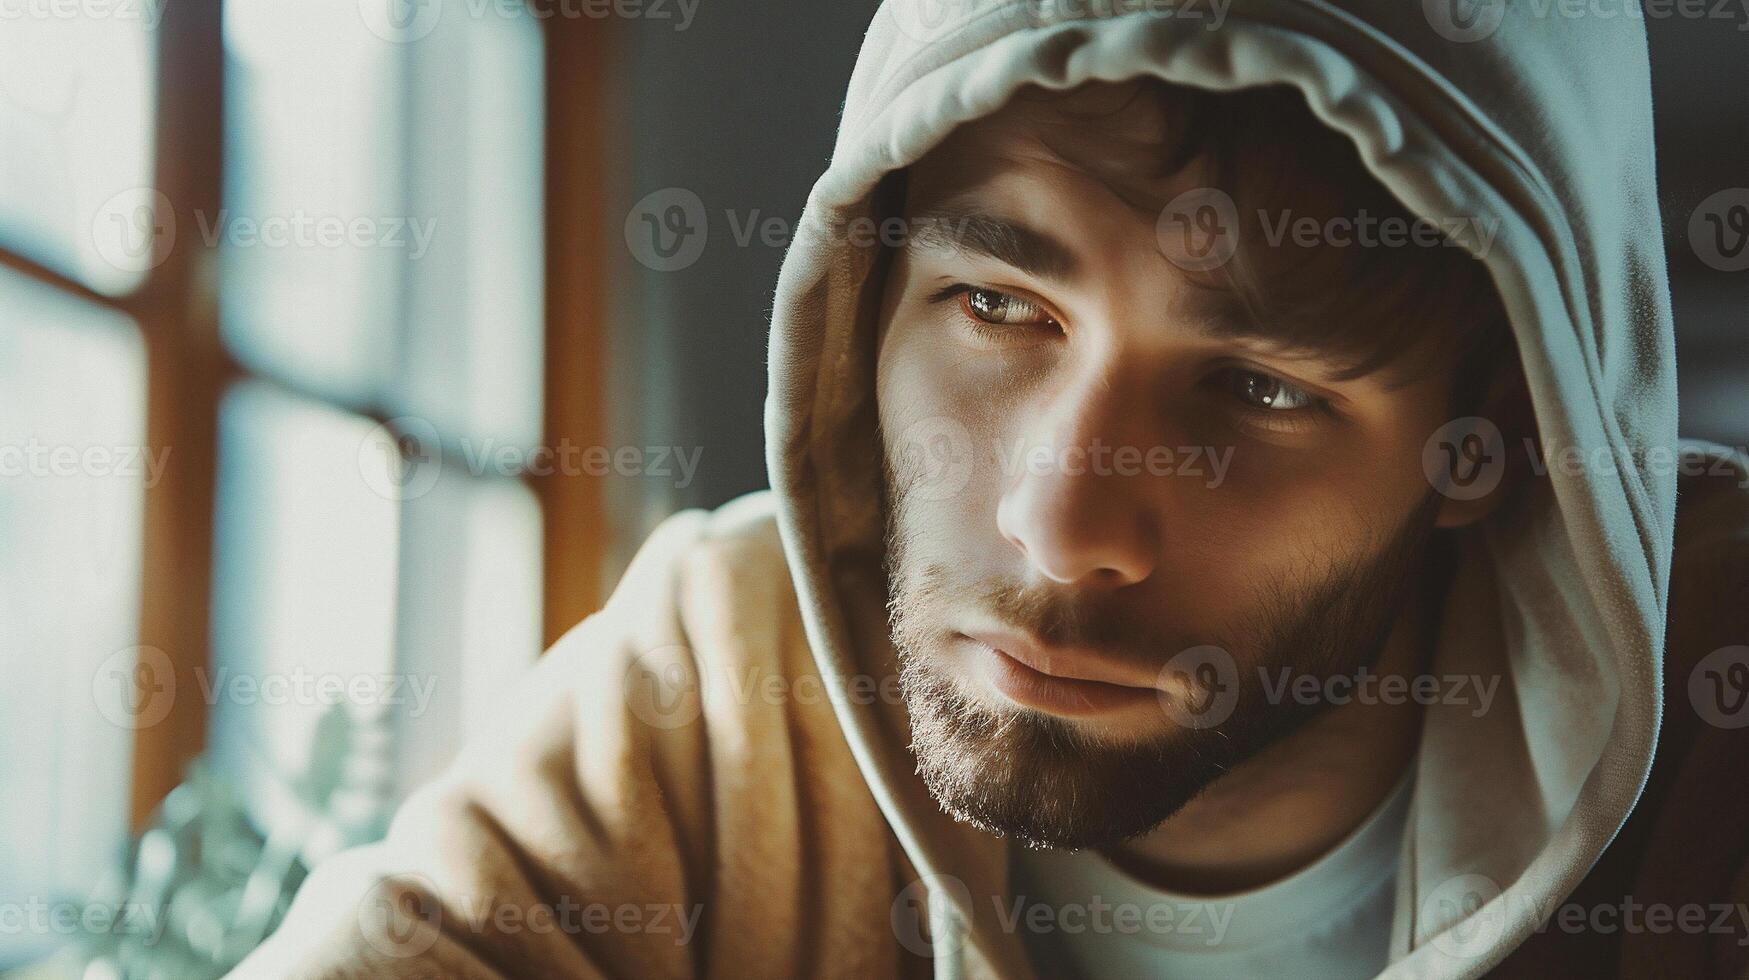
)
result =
(188, 369)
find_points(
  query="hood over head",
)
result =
(1538, 124)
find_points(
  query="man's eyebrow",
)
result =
(1219, 314)
(1006, 240)
(1215, 311)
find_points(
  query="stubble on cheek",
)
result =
(1049, 783)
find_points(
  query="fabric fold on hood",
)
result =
(1538, 124)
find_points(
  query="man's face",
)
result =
(1092, 472)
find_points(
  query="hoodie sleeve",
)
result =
(571, 834)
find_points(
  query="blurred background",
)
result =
(349, 347)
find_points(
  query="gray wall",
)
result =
(1700, 91)
(740, 108)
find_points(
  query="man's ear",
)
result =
(1484, 458)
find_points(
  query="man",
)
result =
(1223, 522)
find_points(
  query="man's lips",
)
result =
(1070, 663)
(1058, 680)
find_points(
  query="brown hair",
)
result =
(1407, 308)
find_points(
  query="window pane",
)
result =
(416, 152)
(76, 103)
(72, 470)
(471, 605)
(473, 356)
(313, 236)
(306, 539)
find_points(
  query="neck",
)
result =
(1294, 801)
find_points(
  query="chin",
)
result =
(1043, 779)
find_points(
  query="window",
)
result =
(380, 248)
(73, 462)
(273, 358)
(72, 411)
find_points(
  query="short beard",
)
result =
(1034, 777)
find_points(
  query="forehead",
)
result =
(1118, 136)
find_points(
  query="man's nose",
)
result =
(1071, 509)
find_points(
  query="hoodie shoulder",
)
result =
(699, 578)
(735, 594)
(666, 757)
(1680, 850)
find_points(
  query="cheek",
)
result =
(919, 409)
(929, 401)
(939, 423)
(1281, 517)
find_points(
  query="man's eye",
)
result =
(1005, 309)
(1266, 391)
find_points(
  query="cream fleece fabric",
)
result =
(667, 752)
